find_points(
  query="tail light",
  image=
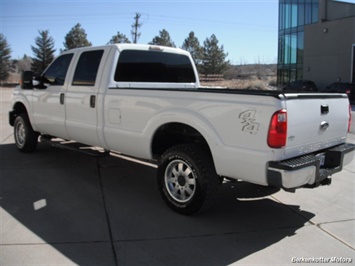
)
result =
(348, 91)
(277, 135)
(350, 119)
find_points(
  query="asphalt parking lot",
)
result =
(59, 207)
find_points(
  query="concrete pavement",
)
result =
(60, 207)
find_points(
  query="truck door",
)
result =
(81, 98)
(48, 98)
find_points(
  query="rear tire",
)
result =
(187, 178)
(26, 138)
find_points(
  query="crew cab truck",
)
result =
(146, 102)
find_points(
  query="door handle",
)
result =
(92, 101)
(324, 109)
(61, 98)
(324, 125)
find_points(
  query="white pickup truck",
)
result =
(146, 102)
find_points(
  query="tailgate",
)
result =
(315, 122)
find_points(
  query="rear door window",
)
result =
(154, 66)
(87, 67)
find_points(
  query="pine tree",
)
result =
(76, 38)
(119, 38)
(5, 54)
(163, 39)
(213, 58)
(43, 52)
(192, 45)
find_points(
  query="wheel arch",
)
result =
(17, 109)
(175, 133)
(180, 126)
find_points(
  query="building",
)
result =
(316, 41)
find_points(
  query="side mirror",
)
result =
(36, 83)
(27, 80)
(39, 82)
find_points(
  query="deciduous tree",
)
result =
(24, 63)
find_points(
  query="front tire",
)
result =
(26, 138)
(187, 178)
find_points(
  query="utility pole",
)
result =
(135, 26)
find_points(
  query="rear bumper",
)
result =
(310, 170)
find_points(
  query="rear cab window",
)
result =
(154, 67)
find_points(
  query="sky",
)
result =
(247, 30)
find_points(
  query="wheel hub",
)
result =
(20, 134)
(180, 181)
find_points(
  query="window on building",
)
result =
(301, 13)
(299, 73)
(281, 16)
(293, 56)
(87, 67)
(293, 16)
(293, 74)
(315, 11)
(281, 52)
(300, 45)
(286, 22)
(287, 49)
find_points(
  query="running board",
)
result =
(74, 146)
(153, 164)
(92, 151)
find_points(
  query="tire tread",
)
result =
(208, 179)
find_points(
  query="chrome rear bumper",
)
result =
(310, 170)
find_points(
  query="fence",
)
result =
(211, 77)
